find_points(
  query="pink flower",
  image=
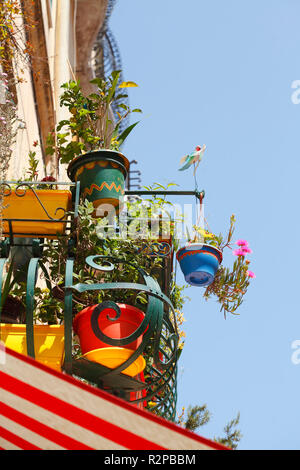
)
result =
(239, 252)
(241, 243)
(251, 274)
(246, 249)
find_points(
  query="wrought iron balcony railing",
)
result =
(156, 336)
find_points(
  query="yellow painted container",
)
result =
(113, 357)
(28, 207)
(49, 342)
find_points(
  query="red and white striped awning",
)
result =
(44, 409)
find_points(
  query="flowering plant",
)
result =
(91, 126)
(229, 285)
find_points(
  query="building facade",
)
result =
(61, 35)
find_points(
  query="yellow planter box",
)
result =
(49, 342)
(28, 207)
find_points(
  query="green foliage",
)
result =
(33, 164)
(90, 126)
(197, 416)
(218, 241)
(229, 285)
(8, 285)
(48, 309)
(177, 296)
(152, 217)
(232, 436)
(88, 243)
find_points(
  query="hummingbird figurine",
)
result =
(192, 158)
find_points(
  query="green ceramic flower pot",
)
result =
(102, 175)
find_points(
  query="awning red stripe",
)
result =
(17, 440)
(70, 412)
(39, 428)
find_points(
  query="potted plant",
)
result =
(48, 338)
(35, 208)
(200, 260)
(90, 320)
(12, 309)
(89, 140)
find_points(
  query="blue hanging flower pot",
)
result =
(199, 263)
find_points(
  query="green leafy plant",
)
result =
(32, 171)
(91, 125)
(7, 286)
(151, 218)
(11, 303)
(131, 256)
(89, 243)
(218, 241)
(197, 416)
(230, 284)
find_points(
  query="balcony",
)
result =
(96, 308)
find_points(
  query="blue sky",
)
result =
(221, 73)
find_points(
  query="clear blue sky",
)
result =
(220, 73)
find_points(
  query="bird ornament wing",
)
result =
(194, 157)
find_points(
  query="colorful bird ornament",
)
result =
(192, 158)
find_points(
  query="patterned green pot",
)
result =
(102, 175)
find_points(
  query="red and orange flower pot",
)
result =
(120, 327)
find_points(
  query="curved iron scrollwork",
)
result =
(21, 190)
(157, 249)
(159, 344)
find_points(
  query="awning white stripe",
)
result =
(6, 445)
(28, 435)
